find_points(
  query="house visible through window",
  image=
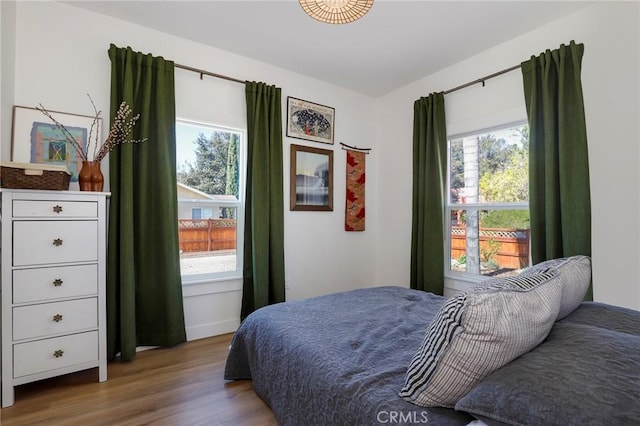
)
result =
(209, 203)
(488, 203)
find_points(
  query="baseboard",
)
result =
(212, 329)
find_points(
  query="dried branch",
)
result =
(119, 133)
(68, 136)
(94, 123)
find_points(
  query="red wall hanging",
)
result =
(355, 205)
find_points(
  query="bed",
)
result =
(342, 359)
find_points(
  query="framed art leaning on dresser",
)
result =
(53, 285)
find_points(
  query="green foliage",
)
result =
(214, 172)
(503, 168)
(494, 154)
(488, 253)
(456, 158)
(510, 182)
(511, 219)
(232, 167)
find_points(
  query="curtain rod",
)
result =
(481, 80)
(365, 150)
(212, 74)
(446, 92)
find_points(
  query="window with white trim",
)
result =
(209, 179)
(488, 203)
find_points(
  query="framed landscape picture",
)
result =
(311, 187)
(36, 139)
(310, 121)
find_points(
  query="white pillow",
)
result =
(479, 331)
(575, 274)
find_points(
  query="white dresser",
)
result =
(53, 285)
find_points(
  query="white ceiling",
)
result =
(396, 43)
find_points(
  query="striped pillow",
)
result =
(479, 331)
(575, 274)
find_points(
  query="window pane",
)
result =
(489, 242)
(207, 159)
(208, 213)
(491, 167)
(208, 245)
(208, 190)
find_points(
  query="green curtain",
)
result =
(144, 289)
(559, 197)
(263, 277)
(429, 180)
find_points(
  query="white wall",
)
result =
(7, 62)
(57, 65)
(610, 77)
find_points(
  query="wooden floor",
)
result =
(182, 385)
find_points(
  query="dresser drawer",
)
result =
(47, 319)
(50, 354)
(42, 242)
(40, 284)
(70, 209)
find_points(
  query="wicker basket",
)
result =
(34, 176)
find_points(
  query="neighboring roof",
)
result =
(224, 197)
(186, 192)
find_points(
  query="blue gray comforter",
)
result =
(341, 360)
(338, 359)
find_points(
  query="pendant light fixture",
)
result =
(336, 11)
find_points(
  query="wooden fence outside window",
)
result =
(202, 235)
(514, 245)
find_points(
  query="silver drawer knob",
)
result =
(57, 242)
(57, 318)
(57, 209)
(58, 353)
(57, 282)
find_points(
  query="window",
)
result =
(201, 213)
(209, 203)
(488, 204)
